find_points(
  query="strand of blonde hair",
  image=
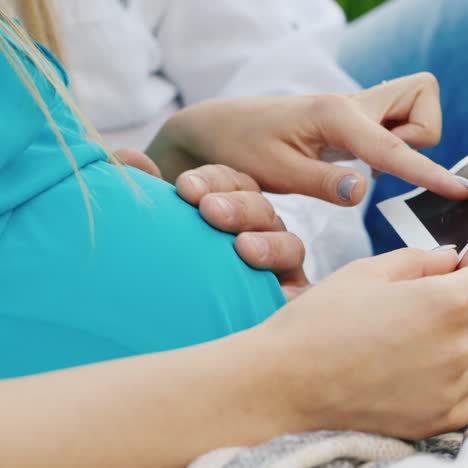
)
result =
(39, 18)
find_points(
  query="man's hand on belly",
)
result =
(232, 202)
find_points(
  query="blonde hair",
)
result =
(19, 36)
(39, 18)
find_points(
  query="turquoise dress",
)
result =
(157, 277)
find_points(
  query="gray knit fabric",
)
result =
(331, 450)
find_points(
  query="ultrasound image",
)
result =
(446, 220)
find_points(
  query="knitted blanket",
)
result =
(332, 450)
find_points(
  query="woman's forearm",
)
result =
(156, 410)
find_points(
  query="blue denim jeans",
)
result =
(401, 38)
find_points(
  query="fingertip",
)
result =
(192, 188)
(449, 185)
(442, 260)
(154, 170)
(281, 252)
(464, 262)
(461, 186)
(253, 249)
(218, 211)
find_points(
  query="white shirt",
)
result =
(131, 67)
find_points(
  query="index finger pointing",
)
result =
(384, 151)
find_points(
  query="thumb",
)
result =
(291, 171)
(138, 160)
(409, 264)
(340, 185)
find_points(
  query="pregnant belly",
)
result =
(157, 277)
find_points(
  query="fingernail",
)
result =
(199, 184)
(346, 186)
(225, 207)
(445, 248)
(261, 246)
(462, 181)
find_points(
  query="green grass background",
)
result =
(355, 8)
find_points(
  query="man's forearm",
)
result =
(171, 160)
(155, 410)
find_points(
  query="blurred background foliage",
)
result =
(355, 8)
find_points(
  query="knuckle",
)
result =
(276, 252)
(327, 187)
(236, 181)
(455, 297)
(221, 211)
(446, 309)
(431, 427)
(388, 145)
(240, 220)
(437, 299)
(327, 103)
(249, 182)
(429, 79)
(433, 136)
(391, 144)
(232, 180)
(458, 301)
(457, 355)
(253, 211)
(430, 133)
(362, 267)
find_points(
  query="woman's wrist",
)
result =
(255, 369)
(238, 388)
(306, 386)
(297, 395)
